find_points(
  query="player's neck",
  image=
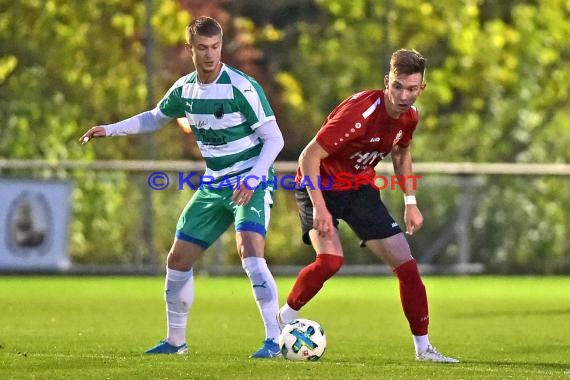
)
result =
(210, 76)
(391, 112)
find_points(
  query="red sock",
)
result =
(311, 279)
(413, 297)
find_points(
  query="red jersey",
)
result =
(357, 135)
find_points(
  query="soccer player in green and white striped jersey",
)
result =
(239, 139)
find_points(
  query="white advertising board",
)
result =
(34, 224)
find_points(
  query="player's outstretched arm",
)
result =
(146, 122)
(92, 132)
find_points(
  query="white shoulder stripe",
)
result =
(217, 91)
(371, 109)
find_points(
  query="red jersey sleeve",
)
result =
(346, 122)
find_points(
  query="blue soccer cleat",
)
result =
(166, 348)
(269, 349)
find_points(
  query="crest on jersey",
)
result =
(398, 137)
(219, 112)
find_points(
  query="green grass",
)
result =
(97, 327)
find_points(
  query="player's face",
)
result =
(402, 92)
(206, 53)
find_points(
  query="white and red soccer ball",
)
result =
(302, 340)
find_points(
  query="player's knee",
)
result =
(178, 261)
(173, 260)
(329, 264)
(408, 272)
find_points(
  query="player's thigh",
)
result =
(326, 242)
(183, 255)
(305, 208)
(250, 244)
(205, 218)
(394, 250)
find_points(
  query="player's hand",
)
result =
(413, 218)
(242, 196)
(322, 220)
(92, 132)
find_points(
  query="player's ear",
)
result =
(386, 81)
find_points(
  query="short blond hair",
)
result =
(203, 26)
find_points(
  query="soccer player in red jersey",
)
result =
(357, 134)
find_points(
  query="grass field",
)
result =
(97, 327)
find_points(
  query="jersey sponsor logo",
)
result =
(365, 159)
(210, 137)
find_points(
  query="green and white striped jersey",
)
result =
(223, 116)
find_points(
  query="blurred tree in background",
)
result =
(69, 65)
(498, 72)
(498, 91)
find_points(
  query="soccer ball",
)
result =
(302, 340)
